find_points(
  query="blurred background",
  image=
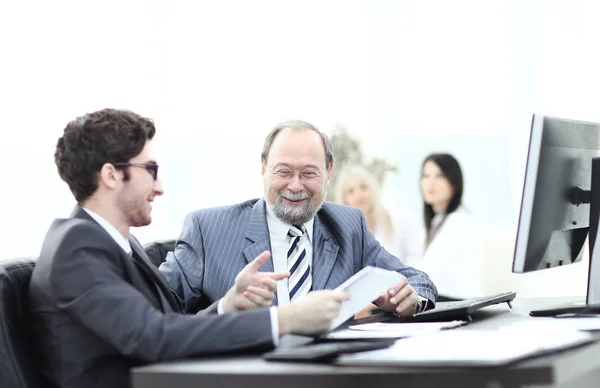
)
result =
(402, 78)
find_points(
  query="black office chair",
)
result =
(17, 365)
(157, 250)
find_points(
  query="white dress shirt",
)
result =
(280, 244)
(111, 230)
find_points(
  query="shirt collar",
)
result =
(280, 229)
(111, 230)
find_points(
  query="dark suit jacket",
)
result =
(96, 311)
(217, 243)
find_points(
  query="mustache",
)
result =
(287, 194)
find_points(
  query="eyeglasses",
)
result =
(151, 167)
(285, 174)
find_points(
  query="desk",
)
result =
(578, 367)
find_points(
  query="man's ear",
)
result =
(329, 170)
(262, 166)
(109, 176)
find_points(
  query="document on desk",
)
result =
(364, 287)
(392, 330)
(471, 347)
(583, 323)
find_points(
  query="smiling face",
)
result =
(134, 200)
(357, 193)
(435, 187)
(299, 153)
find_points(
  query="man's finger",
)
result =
(260, 260)
(408, 306)
(397, 287)
(402, 295)
(341, 295)
(269, 284)
(258, 301)
(265, 294)
(279, 275)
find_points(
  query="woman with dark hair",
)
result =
(451, 255)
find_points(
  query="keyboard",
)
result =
(463, 309)
(325, 351)
(444, 311)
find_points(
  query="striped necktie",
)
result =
(300, 280)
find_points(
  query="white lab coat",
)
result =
(453, 259)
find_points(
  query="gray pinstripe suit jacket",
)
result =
(215, 245)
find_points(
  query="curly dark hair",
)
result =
(90, 141)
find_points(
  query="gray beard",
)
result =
(295, 215)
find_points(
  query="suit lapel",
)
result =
(324, 254)
(142, 261)
(257, 232)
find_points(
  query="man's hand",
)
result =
(401, 300)
(312, 313)
(253, 289)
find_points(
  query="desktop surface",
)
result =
(576, 367)
(577, 309)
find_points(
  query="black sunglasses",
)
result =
(151, 167)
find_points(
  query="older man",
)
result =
(321, 244)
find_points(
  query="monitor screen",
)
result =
(555, 209)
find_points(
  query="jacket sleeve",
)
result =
(184, 268)
(88, 283)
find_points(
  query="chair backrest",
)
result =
(17, 365)
(157, 250)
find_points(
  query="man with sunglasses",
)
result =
(97, 305)
(320, 243)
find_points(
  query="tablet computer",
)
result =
(364, 287)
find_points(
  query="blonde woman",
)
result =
(357, 187)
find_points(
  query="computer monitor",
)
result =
(560, 205)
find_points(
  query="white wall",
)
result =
(407, 78)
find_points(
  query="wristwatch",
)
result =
(422, 304)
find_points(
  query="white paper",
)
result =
(407, 327)
(472, 347)
(364, 287)
(580, 323)
(392, 330)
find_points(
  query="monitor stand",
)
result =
(592, 302)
